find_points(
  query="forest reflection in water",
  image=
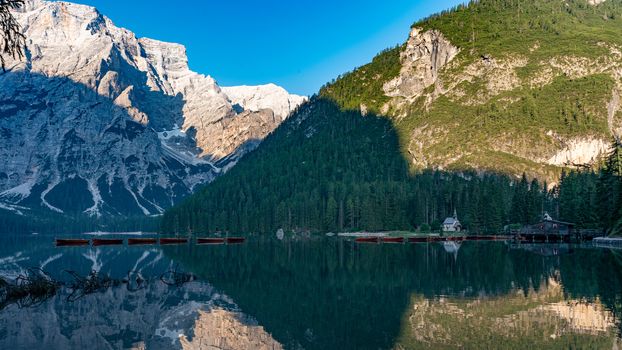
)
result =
(337, 294)
(327, 293)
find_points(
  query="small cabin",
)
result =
(548, 229)
(452, 224)
(549, 226)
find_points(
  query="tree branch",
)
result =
(12, 40)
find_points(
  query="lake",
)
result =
(322, 293)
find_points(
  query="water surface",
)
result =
(321, 294)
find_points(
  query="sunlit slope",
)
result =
(507, 86)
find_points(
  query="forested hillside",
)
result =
(500, 85)
(477, 111)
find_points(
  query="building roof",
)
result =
(558, 222)
(451, 221)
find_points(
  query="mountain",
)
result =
(450, 120)
(99, 122)
(153, 315)
(529, 86)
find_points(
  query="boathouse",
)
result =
(452, 224)
(547, 230)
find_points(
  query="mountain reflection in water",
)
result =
(324, 294)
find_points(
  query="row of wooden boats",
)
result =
(428, 239)
(99, 242)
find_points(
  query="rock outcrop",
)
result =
(425, 54)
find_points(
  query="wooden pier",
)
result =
(608, 242)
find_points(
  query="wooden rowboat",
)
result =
(141, 241)
(71, 242)
(210, 240)
(418, 239)
(168, 241)
(392, 239)
(366, 240)
(101, 242)
(235, 240)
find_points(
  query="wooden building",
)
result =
(547, 230)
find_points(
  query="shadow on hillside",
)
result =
(329, 170)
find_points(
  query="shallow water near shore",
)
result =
(319, 293)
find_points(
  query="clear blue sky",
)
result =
(299, 45)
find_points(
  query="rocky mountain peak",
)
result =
(119, 121)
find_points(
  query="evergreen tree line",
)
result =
(327, 169)
(593, 199)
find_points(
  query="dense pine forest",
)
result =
(327, 169)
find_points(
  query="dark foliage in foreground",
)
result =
(11, 37)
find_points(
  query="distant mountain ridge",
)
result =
(97, 121)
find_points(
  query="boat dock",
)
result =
(608, 242)
(430, 239)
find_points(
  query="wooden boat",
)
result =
(418, 239)
(366, 240)
(235, 240)
(392, 239)
(480, 238)
(141, 241)
(210, 240)
(71, 242)
(102, 241)
(168, 241)
(436, 239)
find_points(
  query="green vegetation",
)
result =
(502, 137)
(496, 27)
(327, 169)
(363, 297)
(511, 129)
(332, 168)
(363, 86)
(594, 199)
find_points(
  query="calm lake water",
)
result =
(320, 294)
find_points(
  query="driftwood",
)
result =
(30, 289)
(176, 278)
(36, 286)
(90, 284)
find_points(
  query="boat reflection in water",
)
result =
(322, 294)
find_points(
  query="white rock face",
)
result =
(97, 115)
(580, 152)
(595, 2)
(270, 96)
(425, 55)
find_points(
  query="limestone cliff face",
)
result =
(224, 329)
(425, 55)
(433, 68)
(118, 123)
